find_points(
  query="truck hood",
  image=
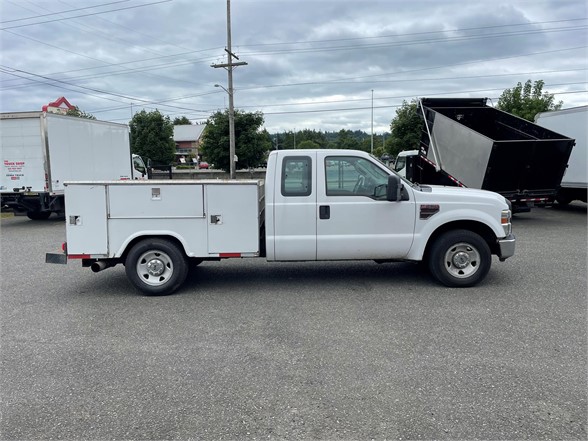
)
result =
(440, 194)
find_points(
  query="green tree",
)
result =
(181, 121)
(366, 145)
(317, 138)
(251, 143)
(406, 129)
(291, 139)
(307, 144)
(526, 101)
(152, 136)
(287, 140)
(79, 113)
(346, 139)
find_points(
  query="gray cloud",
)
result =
(309, 62)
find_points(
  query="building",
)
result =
(187, 139)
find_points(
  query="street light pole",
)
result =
(372, 149)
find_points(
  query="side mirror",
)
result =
(393, 192)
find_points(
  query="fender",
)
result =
(424, 229)
(150, 233)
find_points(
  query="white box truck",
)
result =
(40, 151)
(571, 122)
(314, 205)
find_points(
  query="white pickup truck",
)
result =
(313, 205)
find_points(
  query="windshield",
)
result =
(138, 164)
(400, 163)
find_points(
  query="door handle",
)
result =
(324, 212)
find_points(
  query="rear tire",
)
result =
(38, 215)
(460, 258)
(156, 267)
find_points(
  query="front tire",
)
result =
(156, 266)
(460, 258)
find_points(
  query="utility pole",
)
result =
(229, 66)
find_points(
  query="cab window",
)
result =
(296, 176)
(353, 176)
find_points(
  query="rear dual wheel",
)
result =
(156, 266)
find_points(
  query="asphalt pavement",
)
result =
(253, 350)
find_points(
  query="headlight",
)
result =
(505, 220)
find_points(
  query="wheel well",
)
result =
(136, 240)
(477, 227)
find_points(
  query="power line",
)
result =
(60, 12)
(85, 15)
(532, 23)
(411, 71)
(95, 32)
(411, 43)
(170, 65)
(135, 31)
(7, 69)
(128, 70)
(421, 80)
(400, 105)
(3, 70)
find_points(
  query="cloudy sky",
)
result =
(317, 64)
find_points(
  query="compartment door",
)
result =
(85, 218)
(233, 218)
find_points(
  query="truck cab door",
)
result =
(295, 219)
(355, 221)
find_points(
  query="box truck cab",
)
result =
(139, 167)
(402, 162)
(314, 205)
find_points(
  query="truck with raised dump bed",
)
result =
(40, 151)
(314, 205)
(467, 143)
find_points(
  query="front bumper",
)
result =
(506, 247)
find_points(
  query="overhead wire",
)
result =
(209, 58)
(60, 12)
(85, 15)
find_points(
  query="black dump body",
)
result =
(482, 147)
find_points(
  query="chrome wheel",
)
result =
(462, 260)
(459, 258)
(154, 267)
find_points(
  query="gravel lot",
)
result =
(255, 350)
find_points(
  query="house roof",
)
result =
(59, 103)
(186, 132)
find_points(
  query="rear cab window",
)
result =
(296, 176)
